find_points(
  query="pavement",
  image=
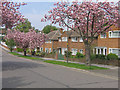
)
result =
(24, 73)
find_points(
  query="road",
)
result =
(23, 73)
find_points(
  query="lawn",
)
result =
(27, 57)
(74, 65)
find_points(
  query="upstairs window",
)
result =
(48, 41)
(74, 39)
(114, 34)
(59, 39)
(81, 40)
(64, 39)
(103, 35)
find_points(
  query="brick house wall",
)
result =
(73, 45)
(109, 42)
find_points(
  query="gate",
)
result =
(60, 57)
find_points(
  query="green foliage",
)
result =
(11, 44)
(93, 57)
(24, 27)
(27, 57)
(79, 55)
(48, 28)
(42, 54)
(19, 49)
(74, 65)
(98, 56)
(69, 54)
(112, 56)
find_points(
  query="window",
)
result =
(103, 35)
(81, 51)
(114, 34)
(59, 39)
(115, 51)
(74, 39)
(64, 39)
(74, 51)
(50, 50)
(41, 49)
(46, 50)
(48, 41)
(81, 40)
(63, 50)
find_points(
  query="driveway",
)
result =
(23, 73)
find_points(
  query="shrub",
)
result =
(69, 54)
(93, 57)
(19, 49)
(97, 56)
(101, 56)
(11, 44)
(112, 56)
(79, 55)
(37, 54)
(42, 54)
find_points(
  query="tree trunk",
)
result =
(87, 54)
(24, 52)
(11, 49)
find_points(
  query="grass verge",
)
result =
(27, 57)
(75, 65)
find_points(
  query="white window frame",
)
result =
(41, 49)
(50, 50)
(81, 40)
(112, 34)
(63, 51)
(48, 41)
(111, 51)
(59, 39)
(64, 39)
(74, 51)
(104, 35)
(81, 50)
(74, 39)
(47, 50)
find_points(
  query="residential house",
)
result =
(75, 43)
(51, 43)
(109, 42)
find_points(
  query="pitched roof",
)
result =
(53, 35)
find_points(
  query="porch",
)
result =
(100, 50)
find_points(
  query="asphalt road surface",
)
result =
(23, 73)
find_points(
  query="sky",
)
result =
(36, 9)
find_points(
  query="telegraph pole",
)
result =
(67, 41)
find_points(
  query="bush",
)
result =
(11, 44)
(93, 57)
(97, 56)
(19, 49)
(101, 56)
(79, 55)
(42, 54)
(112, 56)
(69, 54)
(37, 53)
